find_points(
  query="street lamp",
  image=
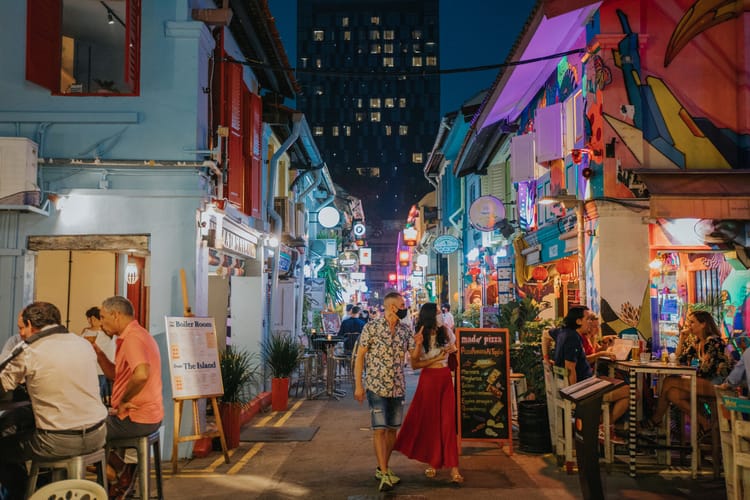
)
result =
(571, 201)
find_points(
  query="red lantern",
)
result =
(565, 266)
(540, 273)
(474, 271)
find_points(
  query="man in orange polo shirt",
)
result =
(137, 404)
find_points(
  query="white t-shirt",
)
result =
(106, 343)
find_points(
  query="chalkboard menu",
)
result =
(484, 410)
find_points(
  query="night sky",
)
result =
(472, 33)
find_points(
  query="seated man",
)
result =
(137, 407)
(739, 373)
(59, 370)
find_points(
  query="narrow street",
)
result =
(338, 463)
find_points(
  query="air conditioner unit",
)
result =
(285, 208)
(18, 169)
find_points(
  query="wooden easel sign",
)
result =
(195, 374)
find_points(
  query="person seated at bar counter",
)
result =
(739, 373)
(700, 342)
(59, 370)
(137, 401)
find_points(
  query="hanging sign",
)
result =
(486, 213)
(348, 259)
(446, 244)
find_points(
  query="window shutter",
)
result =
(253, 131)
(133, 48)
(236, 176)
(44, 42)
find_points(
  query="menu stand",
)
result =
(587, 396)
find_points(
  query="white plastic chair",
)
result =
(71, 489)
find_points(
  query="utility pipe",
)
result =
(581, 252)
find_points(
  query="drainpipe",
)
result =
(298, 119)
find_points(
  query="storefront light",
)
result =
(131, 273)
(272, 241)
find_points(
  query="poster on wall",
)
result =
(482, 378)
(193, 358)
(331, 322)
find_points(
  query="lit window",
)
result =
(335, 131)
(347, 130)
(390, 102)
(403, 129)
(303, 61)
(375, 48)
(112, 61)
(387, 62)
(374, 35)
(416, 157)
(388, 130)
(318, 35)
(416, 61)
(375, 116)
(375, 102)
(347, 35)
(431, 60)
(345, 22)
(359, 103)
(388, 35)
(375, 20)
(416, 34)
(318, 131)
(318, 90)
(360, 117)
(402, 102)
(318, 63)
(388, 48)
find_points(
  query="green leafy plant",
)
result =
(520, 317)
(281, 354)
(238, 369)
(334, 290)
(468, 318)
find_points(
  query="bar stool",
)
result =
(74, 466)
(143, 446)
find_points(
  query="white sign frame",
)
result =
(194, 366)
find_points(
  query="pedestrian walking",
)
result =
(382, 346)
(428, 433)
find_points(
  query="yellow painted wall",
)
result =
(92, 279)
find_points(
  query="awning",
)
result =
(714, 194)
(479, 151)
(543, 37)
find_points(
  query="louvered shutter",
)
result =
(133, 45)
(44, 42)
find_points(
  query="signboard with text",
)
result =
(482, 378)
(193, 358)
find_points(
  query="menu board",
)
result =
(193, 358)
(484, 410)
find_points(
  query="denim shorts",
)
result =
(385, 413)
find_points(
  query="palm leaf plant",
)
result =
(281, 354)
(238, 369)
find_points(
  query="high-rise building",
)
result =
(371, 92)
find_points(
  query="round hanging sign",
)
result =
(446, 244)
(358, 229)
(486, 213)
(328, 217)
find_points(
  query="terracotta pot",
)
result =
(279, 394)
(230, 422)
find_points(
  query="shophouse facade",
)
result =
(135, 162)
(617, 123)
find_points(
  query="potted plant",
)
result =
(281, 354)
(520, 317)
(238, 369)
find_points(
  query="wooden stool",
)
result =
(74, 466)
(143, 446)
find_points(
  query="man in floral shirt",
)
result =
(383, 345)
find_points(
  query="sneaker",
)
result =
(394, 478)
(385, 482)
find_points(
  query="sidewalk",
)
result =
(338, 463)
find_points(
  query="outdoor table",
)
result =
(636, 369)
(330, 344)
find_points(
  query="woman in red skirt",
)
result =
(428, 432)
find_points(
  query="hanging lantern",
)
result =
(565, 266)
(475, 271)
(539, 273)
(131, 273)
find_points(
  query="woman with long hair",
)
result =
(428, 433)
(700, 342)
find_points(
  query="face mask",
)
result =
(401, 313)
